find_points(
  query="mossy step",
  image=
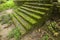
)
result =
(26, 17)
(32, 2)
(39, 8)
(17, 24)
(34, 7)
(30, 14)
(39, 4)
(23, 22)
(36, 11)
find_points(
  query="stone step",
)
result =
(30, 14)
(17, 24)
(26, 17)
(35, 11)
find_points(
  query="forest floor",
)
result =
(3, 28)
(43, 34)
(37, 34)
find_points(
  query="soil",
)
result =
(3, 30)
(35, 35)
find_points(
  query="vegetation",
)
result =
(30, 15)
(7, 5)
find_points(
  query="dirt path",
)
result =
(37, 34)
(4, 31)
(6, 12)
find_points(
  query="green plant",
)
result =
(45, 37)
(15, 33)
(52, 28)
(7, 5)
(6, 19)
